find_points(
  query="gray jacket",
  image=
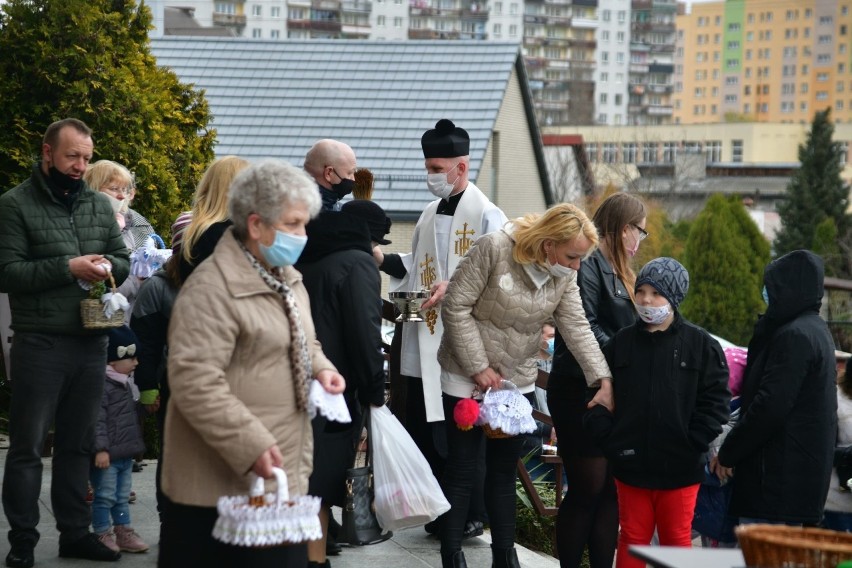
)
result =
(117, 430)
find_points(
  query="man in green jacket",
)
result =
(56, 236)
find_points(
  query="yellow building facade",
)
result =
(763, 61)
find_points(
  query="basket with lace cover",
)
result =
(505, 412)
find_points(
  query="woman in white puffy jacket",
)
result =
(509, 283)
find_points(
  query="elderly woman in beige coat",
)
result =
(242, 355)
(506, 287)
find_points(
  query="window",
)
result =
(649, 153)
(732, 63)
(605, 57)
(747, 90)
(733, 45)
(730, 99)
(513, 32)
(803, 88)
(619, 37)
(628, 153)
(718, 20)
(226, 8)
(822, 77)
(805, 69)
(788, 107)
(789, 52)
(749, 36)
(734, 27)
(824, 39)
(788, 89)
(275, 11)
(592, 151)
(823, 59)
(256, 10)
(619, 57)
(397, 22)
(618, 99)
(605, 35)
(822, 95)
(604, 77)
(840, 86)
(669, 152)
(622, 16)
(602, 98)
(619, 78)
(617, 119)
(826, 20)
(498, 30)
(380, 21)
(842, 147)
(737, 151)
(717, 39)
(713, 148)
(275, 34)
(256, 32)
(606, 15)
(732, 80)
(513, 9)
(498, 8)
(602, 118)
(746, 108)
(610, 152)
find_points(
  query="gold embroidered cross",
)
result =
(463, 243)
(427, 275)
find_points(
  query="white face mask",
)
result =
(653, 315)
(118, 205)
(558, 270)
(438, 184)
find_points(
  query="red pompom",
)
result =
(465, 413)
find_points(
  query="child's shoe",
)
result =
(108, 540)
(129, 540)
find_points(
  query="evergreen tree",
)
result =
(815, 192)
(91, 59)
(725, 255)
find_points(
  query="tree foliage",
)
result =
(815, 193)
(725, 255)
(91, 59)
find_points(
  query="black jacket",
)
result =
(782, 446)
(671, 400)
(608, 308)
(343, 283)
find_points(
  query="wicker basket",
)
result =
(92, 312)
(494, 433)
(781, 545)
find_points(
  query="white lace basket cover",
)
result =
(506, 409)
(332, 406)
(272, 519)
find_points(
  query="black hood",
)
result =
(334, 231)
(794, 284)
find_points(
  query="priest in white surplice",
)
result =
(444, 233)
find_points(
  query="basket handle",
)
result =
(283, 493)
(111, 281)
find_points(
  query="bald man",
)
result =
(332, 165)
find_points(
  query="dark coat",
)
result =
(38, 236)
(150, 321)
(608, 308)
(117, 430)
(344, 286)
(671, 399)
(782, 446)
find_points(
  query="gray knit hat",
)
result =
(668, 276)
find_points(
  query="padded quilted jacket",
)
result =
(493, 313)
(38, 236)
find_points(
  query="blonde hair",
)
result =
(102, 172)
(210, 204)
(560, 223)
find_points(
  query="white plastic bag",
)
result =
(406, 492)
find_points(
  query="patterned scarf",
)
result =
(300, 361)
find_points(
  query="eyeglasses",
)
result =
(121, 190)
(643, 234)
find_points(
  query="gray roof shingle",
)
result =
(267, 100)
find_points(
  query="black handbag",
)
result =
(360, 525)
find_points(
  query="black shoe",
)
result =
(21, 556)
(333, 527)
(331, 546)
(472, 529)
(88, 548)
(432, 527)
(504, 557)
(137, 466)
(454, 560)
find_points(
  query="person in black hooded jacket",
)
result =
(782, 448)
(344, 286)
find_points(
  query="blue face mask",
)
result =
(765, 295)
(285, 249)
(549, 349)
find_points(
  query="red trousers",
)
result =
(640, 511)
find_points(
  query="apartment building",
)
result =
(763, 61)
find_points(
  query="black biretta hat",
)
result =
(446, 140)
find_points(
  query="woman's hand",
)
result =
(722, 472)
(487, 378)
(439, 290)
(604, 396)
(270, 458)
(102, 460)
(332, 381)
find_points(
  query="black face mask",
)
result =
(64, 182)
(344, 187)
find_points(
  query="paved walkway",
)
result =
(410, 548)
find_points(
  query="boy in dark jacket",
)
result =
(670, 386)
(118, 437)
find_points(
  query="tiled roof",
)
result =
(276, 98)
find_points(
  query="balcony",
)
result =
(661, 68)
(557, 42)
(638, 68)
(584, 23)
(317, 25)
(663, 27)
(528, 19)
(532, 62)
(422, 34)
(581, 64)
(229, 20)
(332, 5)
(640, 47)
(660, 89)
(299, 3)
(660, 110)
(354, 31)
(589, 3)
(475, 12)
(641, 4)
(473, 35)
(358, 6)
(661, 48)
(559, 64)
(583, 43)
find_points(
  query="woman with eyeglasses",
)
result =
(508, 284)
(588, 516)
(116, 183)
